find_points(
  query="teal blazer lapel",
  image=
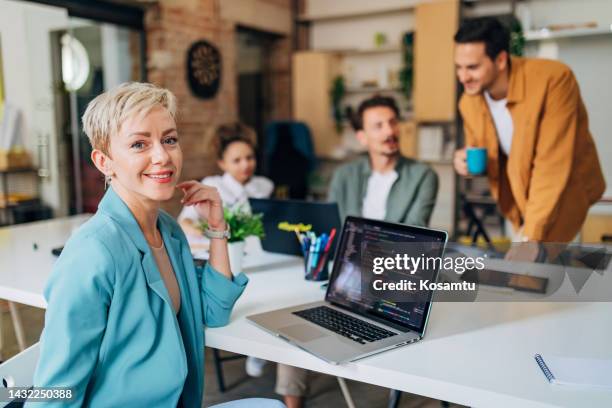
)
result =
(113, 206)
(154, 279)
(182, 263)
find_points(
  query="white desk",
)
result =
(23, 269)
(477, 354)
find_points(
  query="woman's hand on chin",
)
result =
(206, 201)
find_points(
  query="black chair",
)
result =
(395, 396)
(32, 211)
(288, 158)
(218, 360)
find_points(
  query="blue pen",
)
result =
(305, 245)
(319, 248)
(320, 245)
(313, 243)
(324, 239)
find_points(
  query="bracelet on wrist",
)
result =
(217, 234)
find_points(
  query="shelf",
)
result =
(309, 18)
(546, 34)
(18, 170)
(439, 162)
(369, 89)
(364, 51)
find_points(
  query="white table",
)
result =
(24, 268)
(477, 354)
(26, 259)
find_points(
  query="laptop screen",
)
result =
(363, 238)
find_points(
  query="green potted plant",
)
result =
(407, 71)
(517, 38)
(336, 94)
(242, 224)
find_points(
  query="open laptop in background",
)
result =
(280, 215)
(351, 324)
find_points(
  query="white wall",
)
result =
(26, 55)
(335, 7)
(28, 77)
(359, 33)
(545, 12)
(116, 57)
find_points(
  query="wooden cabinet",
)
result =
(408, 139)
(597, 228)
(313, 73)
(434, 72)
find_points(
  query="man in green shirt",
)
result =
(383, 185)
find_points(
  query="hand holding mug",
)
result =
(459, 162)
(476, 159)
(470, 161)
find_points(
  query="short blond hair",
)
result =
(106, 112)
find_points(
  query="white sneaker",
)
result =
(254, 366)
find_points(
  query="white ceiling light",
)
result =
(75, 63)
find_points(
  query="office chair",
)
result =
(218, 361)
(288, 158)
(17, 325)
(395, 396)
(18, 371)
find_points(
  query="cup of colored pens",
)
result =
(316, 251)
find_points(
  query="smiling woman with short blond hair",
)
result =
(126, 305)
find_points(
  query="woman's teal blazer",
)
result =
(111, 333)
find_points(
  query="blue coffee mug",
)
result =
(477, 160)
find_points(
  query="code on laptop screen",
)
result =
(347, 284)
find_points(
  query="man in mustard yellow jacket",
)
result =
(542, 166)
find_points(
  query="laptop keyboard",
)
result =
(343, 324)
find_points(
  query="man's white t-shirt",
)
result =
(375, 201)
(503, 121)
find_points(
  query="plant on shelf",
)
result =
(407, 71)
(517, 38)
(337, 93)
(242, 224)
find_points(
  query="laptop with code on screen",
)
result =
(351, 322)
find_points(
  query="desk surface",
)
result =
(26, 259)
(477, 354)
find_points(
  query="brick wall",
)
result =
(171, 27)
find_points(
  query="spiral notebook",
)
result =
(583, 372)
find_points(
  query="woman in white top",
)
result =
(236, 157)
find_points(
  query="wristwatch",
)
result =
(215, 234)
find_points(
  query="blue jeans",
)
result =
(251, 403)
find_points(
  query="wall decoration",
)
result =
(204, 69)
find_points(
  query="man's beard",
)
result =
(394, 139)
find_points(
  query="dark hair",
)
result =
(229, 133)
(488, 30)
(373, 102)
